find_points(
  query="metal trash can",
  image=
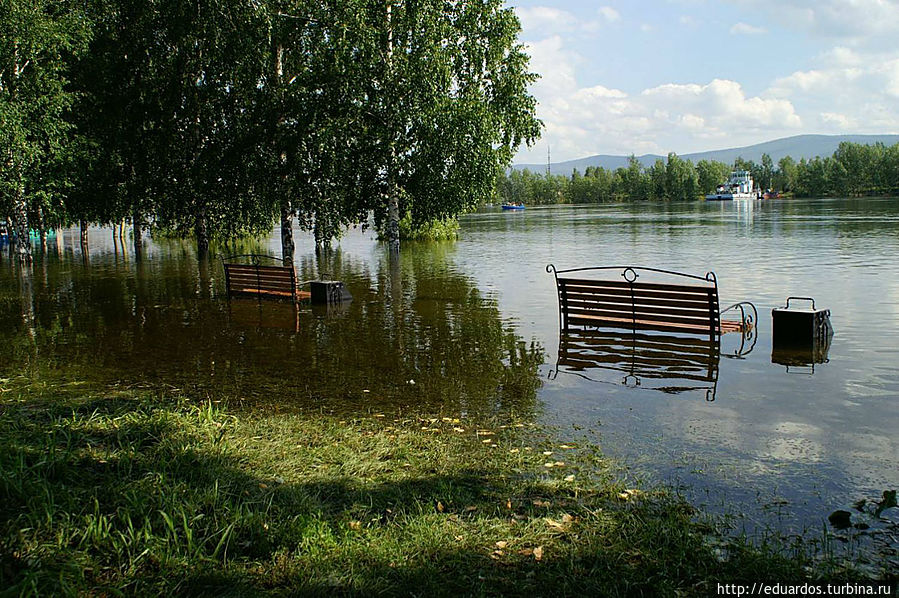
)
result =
(801, 335)
(328, 291)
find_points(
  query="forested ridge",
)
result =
(853, 170)
(219, 118)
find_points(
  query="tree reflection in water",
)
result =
(418, 336)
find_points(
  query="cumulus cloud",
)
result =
(545, 20)
(833, 18)
(746, 29)
(609, 14)
(849, 91)
(598, 119)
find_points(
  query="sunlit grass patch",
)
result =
(145, 494)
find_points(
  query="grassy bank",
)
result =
(146, 494)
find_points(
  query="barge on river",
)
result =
(738, 186)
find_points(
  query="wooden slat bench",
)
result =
(689, 306)
(262, 281)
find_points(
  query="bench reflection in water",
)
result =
(664, 362)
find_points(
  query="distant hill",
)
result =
(800, 146)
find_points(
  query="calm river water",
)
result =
(472, 327)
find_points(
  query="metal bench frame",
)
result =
(691, 308)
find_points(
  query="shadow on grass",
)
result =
(144, 499)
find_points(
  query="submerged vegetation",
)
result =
(853, 170)
(139, 492)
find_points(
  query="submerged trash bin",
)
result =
(801, 335)
(328, 291)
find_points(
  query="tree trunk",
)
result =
(20, 227)
(42, 230)
(202, 235)
(85, 250)
(393, 200)
(84, 236)
(287, 245)
(138, 234)
(393, 219)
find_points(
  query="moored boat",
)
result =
(513, 206)
(738, 186)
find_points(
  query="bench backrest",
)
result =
(689, 308)
(254, 279)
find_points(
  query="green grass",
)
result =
(142, 494)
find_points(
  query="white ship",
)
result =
(738, 186)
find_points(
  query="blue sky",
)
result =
(653, 76)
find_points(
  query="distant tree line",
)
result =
(220, 119)
(853, 170)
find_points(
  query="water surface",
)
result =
(471, 327)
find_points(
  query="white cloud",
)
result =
(832, 18)
(746, 29)
(545, 20)
(598, 119)
(609, 14)
(833, 120)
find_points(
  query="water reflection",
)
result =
(418, 336)
(664, 362)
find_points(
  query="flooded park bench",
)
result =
(254, 279)
(249, 282)
(660, 334)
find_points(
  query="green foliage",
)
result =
(37, 40)
(438, 230)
